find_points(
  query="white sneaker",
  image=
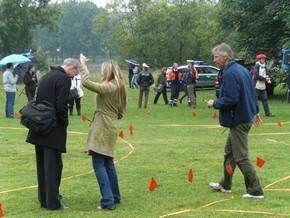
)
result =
(253, 196)
(216, 186)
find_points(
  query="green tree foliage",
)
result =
(259, 25)
(18, 19)
(75, 32)
(160, 32)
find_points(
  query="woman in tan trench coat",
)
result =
(111, 102)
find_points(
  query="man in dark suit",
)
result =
(53, 87)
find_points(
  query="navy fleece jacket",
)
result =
(238, 102)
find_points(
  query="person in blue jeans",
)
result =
(111, 102)
(9, 82)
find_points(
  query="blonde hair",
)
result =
(111, 72)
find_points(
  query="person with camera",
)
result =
(161, 83)
(260, 78)
(30, 81)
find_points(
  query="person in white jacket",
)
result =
(76, 85)
(9, 82)
(260, 78)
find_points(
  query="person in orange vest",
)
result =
(174, 77)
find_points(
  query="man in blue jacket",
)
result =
(238, 110)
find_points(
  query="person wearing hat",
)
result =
(190, 81)
(144, 80)
(260, 78)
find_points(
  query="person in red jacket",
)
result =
(174, 77)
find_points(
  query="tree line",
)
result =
(158, 32)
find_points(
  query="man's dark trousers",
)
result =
(49, 169)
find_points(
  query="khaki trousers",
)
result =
(236, 153)
(146, 91)
(191, 95)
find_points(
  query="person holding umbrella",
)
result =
(9, 82)
(133, 72)
(30, 81)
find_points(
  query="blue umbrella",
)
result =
(15, 59)
(131, 61)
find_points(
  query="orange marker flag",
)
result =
(190, 176)
(279, 124)
(84, 118)
(229, 169)
(1, 211)
(260, 162)
(153, 185)
(16, 115)
(148, 112)
(214, 116)
(121, 134)
(193, 114)
(131, 129)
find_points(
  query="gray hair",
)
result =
(224, 50)
(71, 62)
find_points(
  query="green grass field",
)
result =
(166, 144)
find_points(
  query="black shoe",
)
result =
(270, 115)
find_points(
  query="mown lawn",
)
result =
(167, 143)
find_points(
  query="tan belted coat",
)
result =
(103, 130)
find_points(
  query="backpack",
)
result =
(39, 117)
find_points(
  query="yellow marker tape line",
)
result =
(193, 125)
(250, 212)
(272, 140)
(269, 133)
(279, 189)
(191, 210)
(74, 176)
(126, 156)
(280, 180)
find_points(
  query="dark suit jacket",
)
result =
(54, 87)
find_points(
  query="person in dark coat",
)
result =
(144, 80)
(30, 81)
(53, 87)
(161, 79)
(238, 110)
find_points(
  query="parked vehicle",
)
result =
(207, 75)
